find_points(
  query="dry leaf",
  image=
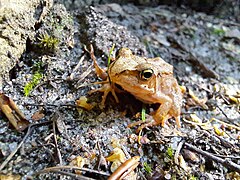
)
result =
(142, 139)
(38, 115)
(82, 102)
(9, 177)
(183, 89)
(189, 155)
(195, 118)
(183, 164)
(79, 161)
(13, 114)
(218, 131)
(201, 102)
(117, 155)
(234, 99)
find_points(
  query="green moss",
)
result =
(36, 78)
(218, 31)
(48, 42)
(193, 178)
(33, 83)
(147, 167)
(169, 152)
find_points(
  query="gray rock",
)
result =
(17, 19)
(98, 30)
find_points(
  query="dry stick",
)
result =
(20, 144)
(227, 163)
(193, 60)
(223, 156)
(71, 77)
(180, 145)
(47, 82)
(75, 176)
(102, 160)
(50, 169)
(53, 105)
(84, 75)
(55, 117)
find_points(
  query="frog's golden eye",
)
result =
(146, 74)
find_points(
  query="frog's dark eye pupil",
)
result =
(146, 74)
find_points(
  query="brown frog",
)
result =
(148, 79)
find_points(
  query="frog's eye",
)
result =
(146, 74)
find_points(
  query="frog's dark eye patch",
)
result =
(146, 74)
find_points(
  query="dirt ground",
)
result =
(65, 141)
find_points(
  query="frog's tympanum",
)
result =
(148, 79)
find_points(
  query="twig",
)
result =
(197, 63)
(21, 143)
(102, 160)
(72, 175)
(47, 82)
(124, 169)
(71, 77)
(53, 105)
(84, 75)
(54, 119)
(180, 145)
(230, 157)
(222, 111)
(71, 168)
(225, 162)
(46, 7)
(227, 124)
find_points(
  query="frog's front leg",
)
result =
(106, 88)
(99, 71)
(161, 114)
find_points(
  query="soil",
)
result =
(205, 52)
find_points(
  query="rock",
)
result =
(17, 19)
(234, 33)
(98, 30)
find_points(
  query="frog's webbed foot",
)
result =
(137, 123)
(162, 119)
(147, 123)
(177, 118)
(106, 88)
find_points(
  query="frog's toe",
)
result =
(178, 121)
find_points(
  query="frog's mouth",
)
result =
(119, 87)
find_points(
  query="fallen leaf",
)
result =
(189, 155)
(117, 155)
(79, 161)
(82, 102)
(201, 102)
(12, 112)
(195, 118)
(234, 99)
(38, 115)
(10, 177)
(183, 164)
(218, 131)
